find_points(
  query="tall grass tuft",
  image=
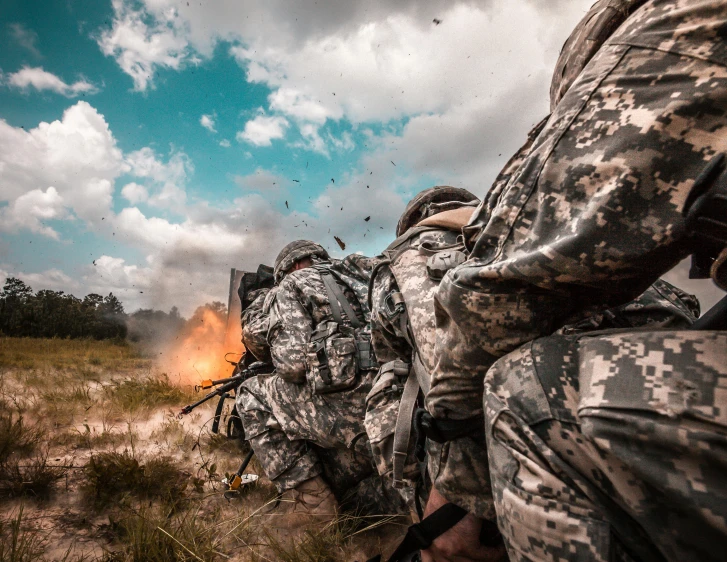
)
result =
(153, 534)
(110, 475)
(32, 478)
(16, 437)
(148, 392)
(20, 476)
(18, 544)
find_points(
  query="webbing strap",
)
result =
(339, 301)
(421, 373)
(335, 307)
(420, 536)
(402, 431)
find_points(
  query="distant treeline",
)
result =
(54, 314)
(48, 314)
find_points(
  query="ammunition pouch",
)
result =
(332, 359)
(382, 412)
(365, 358)
(337, 353)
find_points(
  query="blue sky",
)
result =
(147, 146)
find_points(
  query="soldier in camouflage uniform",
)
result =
(402, 321)
(590, 217)
(312, 446)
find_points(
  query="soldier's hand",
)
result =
(461, 543)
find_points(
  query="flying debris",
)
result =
(367, 219)
(296, 181)
(392, 162)
(340, 242)
(333, 181)
(286, 205)
(436, 21)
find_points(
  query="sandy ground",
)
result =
(73, 395)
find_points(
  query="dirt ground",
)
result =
(95, 465)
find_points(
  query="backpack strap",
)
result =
(420, 536)
(401, 244)
(403, 427)
(338, 300)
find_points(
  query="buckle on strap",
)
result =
(394, 304)
(397, 366)
(399, 458)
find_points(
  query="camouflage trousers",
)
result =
(297, 435)
(611, 447)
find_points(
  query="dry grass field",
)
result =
(95, 466)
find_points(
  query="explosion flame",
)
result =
(198, 351)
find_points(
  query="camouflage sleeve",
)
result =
(255, 328)
(386, 336)
(289, 333)
(592, 216)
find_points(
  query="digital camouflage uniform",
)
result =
(404, 331)
(590, 217)
(295, 433)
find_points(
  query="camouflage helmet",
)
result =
(296, 251)
(604, 17)
(418, 208)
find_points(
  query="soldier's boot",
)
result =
(309, 502)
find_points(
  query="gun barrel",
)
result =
(228, 384)
(217, 392)
(223, 381)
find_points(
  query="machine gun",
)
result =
(245, 368)
(245, 287)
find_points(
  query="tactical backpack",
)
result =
(339, 352)
(401, 386)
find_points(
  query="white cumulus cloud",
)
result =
(30, 210)
(41, 80)
(135, 193)
(208, 122)
(76, 156)
(140, 48)
(263, 129)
